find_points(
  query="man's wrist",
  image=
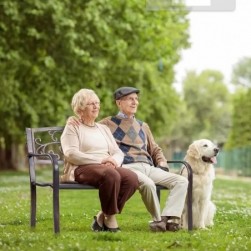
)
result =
(163, 164)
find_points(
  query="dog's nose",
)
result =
(216, 150)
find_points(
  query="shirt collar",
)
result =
(121, 114)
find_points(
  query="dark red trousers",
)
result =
(115, 186)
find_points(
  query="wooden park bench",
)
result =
(44, 147)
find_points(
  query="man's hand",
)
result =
(163, 166)
(73, 121)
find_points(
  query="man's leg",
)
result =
(147, 189)
(177, 185)
(174, 205)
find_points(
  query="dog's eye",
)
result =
(205, 145)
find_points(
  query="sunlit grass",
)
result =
(232, 229)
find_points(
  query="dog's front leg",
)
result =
(202, 213)
(197, 215)
(211, 209)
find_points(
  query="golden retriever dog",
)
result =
(201, 155)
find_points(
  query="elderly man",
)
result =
(142, 156)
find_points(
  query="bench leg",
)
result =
(56, 210)
(190, 203)
(55, 187)
(33, 205)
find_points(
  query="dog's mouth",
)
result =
(212, 160)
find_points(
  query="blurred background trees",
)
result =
(205, 110)
(51, 49)
(240, 133)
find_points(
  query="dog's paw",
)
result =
(201, 225)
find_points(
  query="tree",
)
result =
(242, 73)
(50, 49)
(205, 112)
(240, 132)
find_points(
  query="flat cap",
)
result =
(124, 91)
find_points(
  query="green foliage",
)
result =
(242, 73)
(230, 232)
(240, 132)
(60, 46)
(206, 111)
(51, 49)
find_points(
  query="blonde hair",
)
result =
(80, 100)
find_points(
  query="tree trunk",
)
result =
(2, 158)
(18, 159)
(12, 155)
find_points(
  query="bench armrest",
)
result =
(54, 161)
(186, 164)
(189, 174)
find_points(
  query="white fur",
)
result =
(203, 176)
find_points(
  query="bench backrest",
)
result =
(45, 140)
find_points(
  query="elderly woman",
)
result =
(93, 157)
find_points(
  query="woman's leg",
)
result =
(100, 218)
(129, 184)
(106, 179)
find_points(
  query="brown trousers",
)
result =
(115, 186)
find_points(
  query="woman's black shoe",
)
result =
(108, 229)
(95, 226)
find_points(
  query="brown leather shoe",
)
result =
(157, 226)
(172, 223)
(172, 226)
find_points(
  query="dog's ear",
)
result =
(193, 151)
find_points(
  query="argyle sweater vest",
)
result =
(131, 139)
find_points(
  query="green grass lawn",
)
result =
(232, 229)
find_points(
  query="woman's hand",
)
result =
(109, 162)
